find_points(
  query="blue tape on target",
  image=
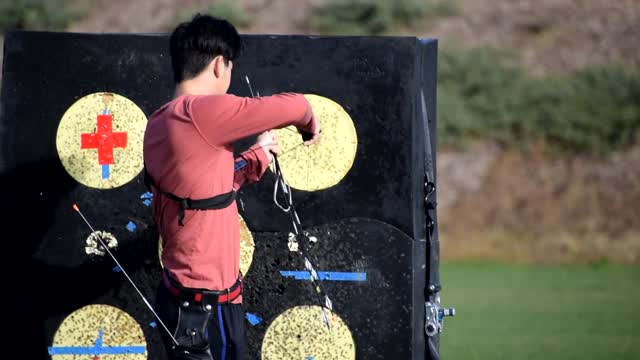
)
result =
(327, 275)
(131, 226)
(147, 198)
(253, 318)
(97, 349)
(105, 171)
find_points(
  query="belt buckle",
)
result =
(228, 295)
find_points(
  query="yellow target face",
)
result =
(300, 333)
(324, 164)
(247, 247)
(100, 138)
(99, 332)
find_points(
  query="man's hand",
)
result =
(310, 138)
(269, 142)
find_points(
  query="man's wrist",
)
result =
(262, 154)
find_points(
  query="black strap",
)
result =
(206, 298)
(220, 201)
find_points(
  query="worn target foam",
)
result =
(100, 138)
(324, 164)
(99, 331)
(300, 333)
(247, 247)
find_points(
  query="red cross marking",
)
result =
(104, 139)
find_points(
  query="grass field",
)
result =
(540, 312)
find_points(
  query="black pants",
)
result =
(225, 329)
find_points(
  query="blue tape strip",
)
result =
(327, 275)
(116, 268)
(105, 171)
(131, 226)
(147, 202)
(94, 350)
(147, 195)
(253, 318)
(98, 342)
(153, 324)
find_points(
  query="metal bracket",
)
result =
(434, 316)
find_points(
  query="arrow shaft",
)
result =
(106, 248)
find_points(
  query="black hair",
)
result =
(194, 44)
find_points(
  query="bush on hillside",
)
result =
(37, 14)
(484, 94)
(373, 17)
(226, 9)
(595, 110)
(477, 95)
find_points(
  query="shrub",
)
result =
(478, 96)
(226, 9)
(372, 17)
(483, 93)
(37, 14)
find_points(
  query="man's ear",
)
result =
(219, 66)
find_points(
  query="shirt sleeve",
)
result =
(224, 119)
(257, 163)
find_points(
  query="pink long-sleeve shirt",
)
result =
(188, 151)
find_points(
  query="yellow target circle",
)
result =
(99, 332)
(247, 247)
(300, 333)
(326, 163)
(100, 139)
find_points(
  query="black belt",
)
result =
(203, 296)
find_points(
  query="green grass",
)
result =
(541, 312)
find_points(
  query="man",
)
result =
(189, 160)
